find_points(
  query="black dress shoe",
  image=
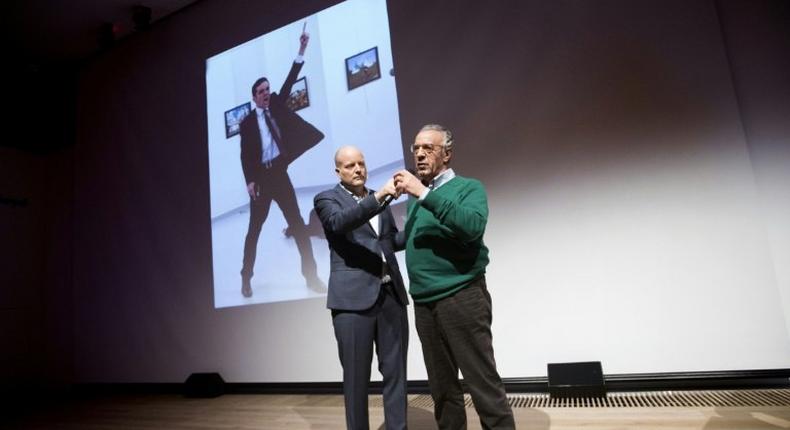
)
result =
(246, 288)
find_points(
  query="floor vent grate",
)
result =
(643, 399)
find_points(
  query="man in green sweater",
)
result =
(446, 261)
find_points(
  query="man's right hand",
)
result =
(387, 189)
(407, 183)
(303, 39)
(251, 190)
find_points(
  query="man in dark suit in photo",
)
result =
(272, 136)
(366, 293)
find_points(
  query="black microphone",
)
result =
(387, 200)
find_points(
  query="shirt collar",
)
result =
(356, 197)
(441, 179)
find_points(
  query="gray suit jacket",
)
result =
(356, 249)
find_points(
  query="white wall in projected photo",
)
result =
(365, 116)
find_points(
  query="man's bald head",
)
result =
(345, 152)
(350, 168)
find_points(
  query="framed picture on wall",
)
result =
(363, 68)
(299, 97)
(234, 117)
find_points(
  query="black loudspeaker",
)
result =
(574, 380)
(204, 385)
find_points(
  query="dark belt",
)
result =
(273, 164)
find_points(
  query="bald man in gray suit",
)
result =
(366, 292)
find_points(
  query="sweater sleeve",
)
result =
(466, 216)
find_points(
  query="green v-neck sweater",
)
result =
(444, 239)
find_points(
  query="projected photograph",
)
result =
(363, 68)
(299, 98)
(234, 117)
(274, 151)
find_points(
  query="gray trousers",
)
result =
(385, 325)
(455, 333)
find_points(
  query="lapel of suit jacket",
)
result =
(378, 219)
(384, 220)
(278, 110)
(348, 200)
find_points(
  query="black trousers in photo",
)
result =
(274, 184)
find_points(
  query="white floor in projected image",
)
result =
(278, 274)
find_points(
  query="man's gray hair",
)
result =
(448, 135)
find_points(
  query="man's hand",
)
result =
(387, 189)
(251, 190)
(405, 182)
(303, 39)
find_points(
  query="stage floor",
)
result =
(252, 411)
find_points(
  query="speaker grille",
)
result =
(643, 399)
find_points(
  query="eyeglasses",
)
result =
(428, 149)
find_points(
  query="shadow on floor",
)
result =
(526, 419)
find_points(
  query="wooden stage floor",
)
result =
(259, 412)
